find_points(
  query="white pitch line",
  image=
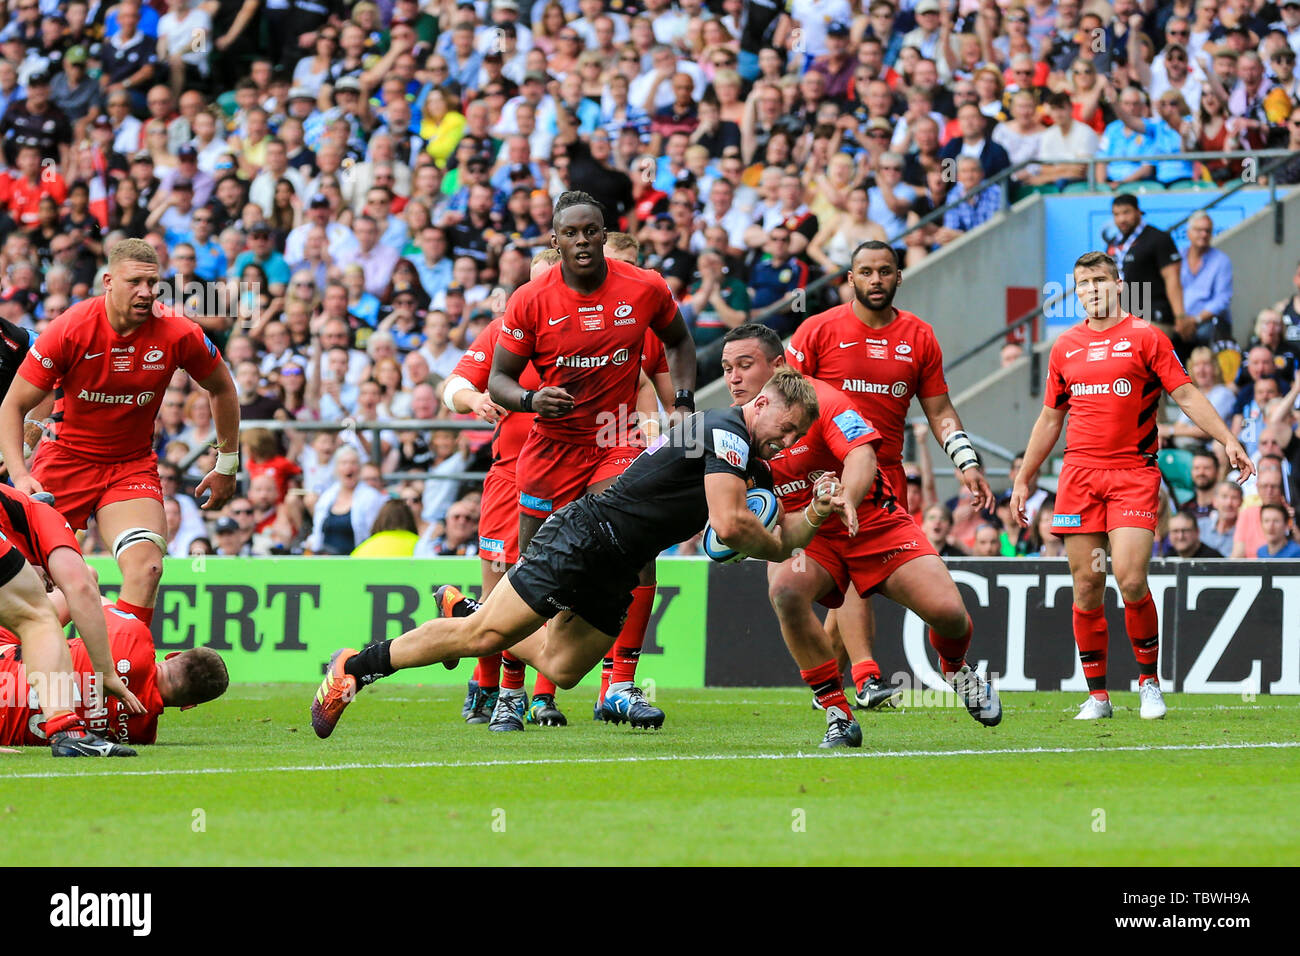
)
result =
(567, 761)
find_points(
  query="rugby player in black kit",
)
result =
(580, 568)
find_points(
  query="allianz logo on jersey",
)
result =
(592, 361)
(108, 398)
(790, 487)
(898, 389)
(1120, 387)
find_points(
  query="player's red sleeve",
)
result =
(654, 359)
(800, 353)
(476, 363)
(931, 381)
(1055, 393)
(518, 327)
(196, 354)
(843, 427)
(47, 359)
(8, 637)
(1164, 361)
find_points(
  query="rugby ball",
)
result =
(763, 504)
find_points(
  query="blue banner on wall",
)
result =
(1076, 224)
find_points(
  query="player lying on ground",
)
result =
(1107, 373)
(112, 358)
(582, 327)
(881, 357)
(889, 554)
(42, 544)
(581, 567)
(184, 680)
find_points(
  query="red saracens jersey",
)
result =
(880, 370)
(1110, 382)
(588, 345)
(839, 429)
(113, 384)
(134, 657)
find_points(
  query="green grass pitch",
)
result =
(735, 777)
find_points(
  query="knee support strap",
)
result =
(134, 536)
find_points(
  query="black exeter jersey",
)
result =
(14, 343)
(659, 501)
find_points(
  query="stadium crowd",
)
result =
(344, 194)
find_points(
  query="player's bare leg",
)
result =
(127, 527)
(481, 695)
(792, 587)
(832, 626)
(924, 585)
(26, 611)
(1087, 556)
(500, 622)
(510, 709)
(856, 620)
(620, 698)
(565, 650)
(1130, 558)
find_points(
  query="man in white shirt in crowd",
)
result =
(1066, 147)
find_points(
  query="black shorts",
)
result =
(571, 565)
(11, 563)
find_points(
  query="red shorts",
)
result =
(498, 523)
(882, 546)
(81, 487)
(551, 473)
(1092, 500)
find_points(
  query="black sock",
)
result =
(371, 663)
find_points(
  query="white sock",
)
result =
(620, 686)
(512, 692)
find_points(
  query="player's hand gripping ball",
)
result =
(764, 506)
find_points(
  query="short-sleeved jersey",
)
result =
(33, 527)
(474, 367)
(880, 370)
(839, 429)
(587, 345)
(659, 500)
(133, 655)
(112, 384)
(1110, 382)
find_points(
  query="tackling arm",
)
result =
(738, 527)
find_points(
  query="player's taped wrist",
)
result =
(961, 451)
(227, 463)
(685, 399)
(456, 383)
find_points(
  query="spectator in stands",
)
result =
(1185, 538)
(1043, 543)
(346, 510)
(1268, 489)
(1276, 522)
(936, 524)
(974, 141)
(1217, 529)
(987, 542)
(974, 206)
(1206, 278)
(393, 534)
(1289, 173)
(1022, 137)
(716, 302)
(1205, 477)
(459, 533)
(776, 276)
(891, 199)
(1270, 331)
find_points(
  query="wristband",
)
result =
(227, 463)
(527, 401)
(685, 399)
(456, 383)
(961, 451)
(811, 523)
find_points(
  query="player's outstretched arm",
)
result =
(859, 473)
(1041, 442)
(461, 396)
(22, 397)
(220, 481)
(1198, 408)
(738, 528)
(947, 427)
